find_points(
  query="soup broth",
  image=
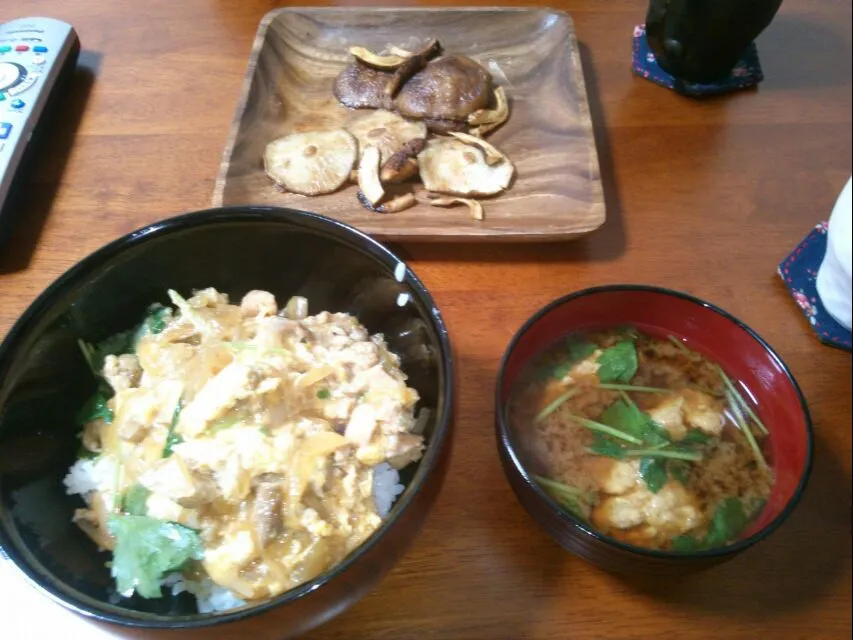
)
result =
(647, 441)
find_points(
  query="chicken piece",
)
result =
(257, 303)
(311, 521)
(362, 354)
(612, 476)
(266, 513)
(361, 425)
(136, 410)
(586, 368)
(122, 372)
(159, 360)
(380, 382)
(235, 382)
(272, 332)
(223, 562)
(703, 412)
(403, 448)
(206, 489)
(672, 511)
(170, 477)
(160, 507)
(621, 512)
(668, 414)
(658, 517)
(208, 297)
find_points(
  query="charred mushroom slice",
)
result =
(449, 165)
(394, 204)
(361, 87)
(475, 207)
(403, 164)
(311, 163)
(385, 130)
(410, 66)
(383, 63)
(368, 176)
(448, 88)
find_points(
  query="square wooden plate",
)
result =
(298, 52)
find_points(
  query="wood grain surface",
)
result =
(532, 53)
(703, 196)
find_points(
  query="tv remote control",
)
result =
(36, 55)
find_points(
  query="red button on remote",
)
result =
(22, 47)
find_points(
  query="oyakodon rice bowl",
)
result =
(236, 452)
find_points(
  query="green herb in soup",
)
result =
(646, 440)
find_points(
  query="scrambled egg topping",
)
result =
(259, 428)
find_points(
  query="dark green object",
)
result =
(134, 501)
(173, 439)
(702, 40)
(654, 473)
(618, 363)
(96, 407)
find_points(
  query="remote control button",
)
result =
(11, 74)
(22, 47)
(40, 49)
(17, 104)
(5, 130)
(39, 59)
(23, 85)
(5, 48)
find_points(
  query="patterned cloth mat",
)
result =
(799, 272)
(747, 72)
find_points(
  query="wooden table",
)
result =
(705, 197)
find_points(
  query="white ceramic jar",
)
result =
(834, 280)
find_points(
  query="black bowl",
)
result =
(44, 379)
(706, 329)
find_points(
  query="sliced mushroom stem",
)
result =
(384, 63)
(398, 170)
(410, 66)
(392, 205)
(399, 51)
(402, 165)
(498, 115)
(475, 207)
(368, 176)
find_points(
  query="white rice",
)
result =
(386, 488)
(88, 475)
(209, 596)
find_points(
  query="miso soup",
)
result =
(645, 440)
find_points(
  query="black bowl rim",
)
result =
(504, 440)
(341, 231)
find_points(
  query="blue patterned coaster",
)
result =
(746, 73)
(799, 272)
